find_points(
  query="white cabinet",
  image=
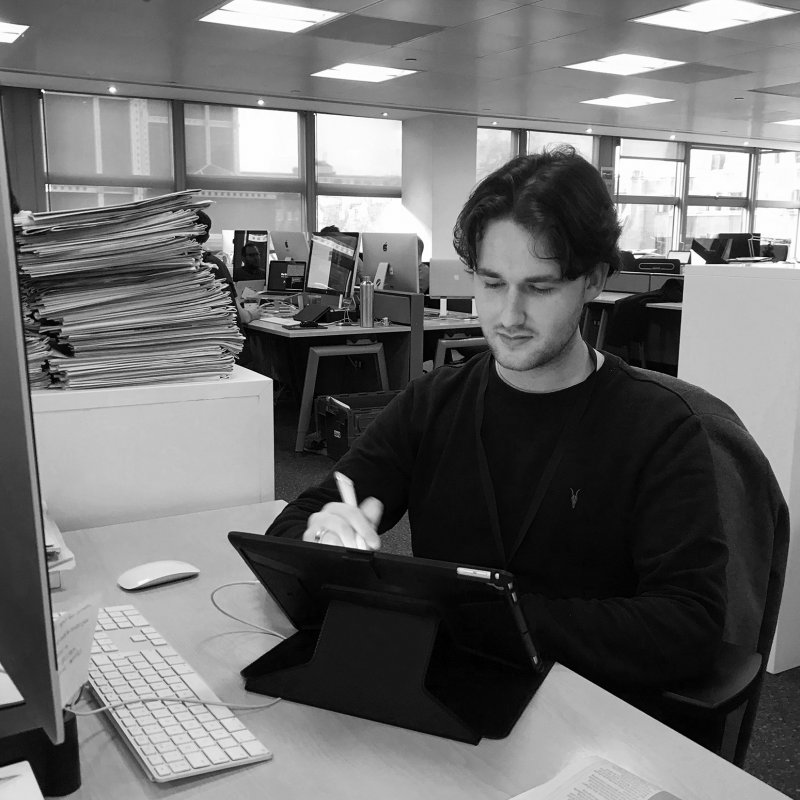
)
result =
(740, 340)
(133, 453)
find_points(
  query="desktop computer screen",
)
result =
(399, 252)
(250, 251)
(332, 263)
(738, 245)
(450, 279)
(289, 245)
(27, 648)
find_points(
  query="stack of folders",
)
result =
(122, 296)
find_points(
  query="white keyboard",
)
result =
(171, 740)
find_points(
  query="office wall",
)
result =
(439, 153)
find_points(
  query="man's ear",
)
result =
(595, 281)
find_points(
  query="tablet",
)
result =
(429, 645)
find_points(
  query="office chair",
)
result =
(718, 710)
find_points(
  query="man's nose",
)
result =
(513, 309)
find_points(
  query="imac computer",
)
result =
(391, 261)
(332, 261)
(450, 280)
(30, 703)
(250, 250)
(289, 246)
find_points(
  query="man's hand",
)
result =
(343, 525)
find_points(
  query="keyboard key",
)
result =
(236, 753)
(162, 771)
(197, 760)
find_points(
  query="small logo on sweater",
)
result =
(574, 497)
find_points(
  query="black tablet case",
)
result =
(392, 639)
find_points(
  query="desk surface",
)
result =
(326, 330)
(453, 321)
(323, 754)
(609, 298)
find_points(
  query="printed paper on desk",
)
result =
(17, 782)
(595, 778)
(74, 629)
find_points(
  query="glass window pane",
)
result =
(718, 173)
(538, 140)
(90, 137)
(67, 197)
(495, 147)
(378, 214)
(358, 150)
(648, 177)
(779, 176)
(253, 210)
(779, 226)
(646, 227)
(650, 148)
(251, 142)
(705, 222)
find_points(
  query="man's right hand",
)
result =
(343, 525)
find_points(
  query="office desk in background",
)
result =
(322, 754)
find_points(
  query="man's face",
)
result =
(252, 257)
(528, 312)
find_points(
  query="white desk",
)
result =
(321, 754)
(138, 452)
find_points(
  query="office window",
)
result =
(718, 173)
(254, 210)
(779, 226)
(538, 140)
(495, 146)
(646, 227)
(348, 213)
(707, 221)
(649, 181)
(245, 142)
(643, 176)
(358, 151)
(779, 176)
(103, 150)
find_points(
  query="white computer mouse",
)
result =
(154, 573)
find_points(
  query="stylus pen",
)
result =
(348, 494)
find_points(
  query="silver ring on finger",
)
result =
(319, 533)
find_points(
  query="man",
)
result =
(593, 482)
(252, 267)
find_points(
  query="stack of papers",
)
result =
(121, 295)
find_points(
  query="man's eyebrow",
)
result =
(486, 272)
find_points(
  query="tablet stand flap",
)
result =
(395, 666)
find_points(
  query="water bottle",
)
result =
(367, 296)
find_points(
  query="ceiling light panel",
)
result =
(625, 64)
(363, 72)
(268, 16)
(714, 15)
(627, 100)
(9, 32)
(788, 122)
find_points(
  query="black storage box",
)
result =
(343, 418)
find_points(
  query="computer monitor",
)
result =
(738, 245)
(332, 262)
(450, 279)
(680, 255)
(289, 245)
(250, 250)
(700, 254)
(27, 648)
(399, 252)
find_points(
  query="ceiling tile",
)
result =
(447, 13)
(693, 73)
(371, 30)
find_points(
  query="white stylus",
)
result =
(347, 491)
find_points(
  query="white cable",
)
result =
(170, 699)
(238, 619)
